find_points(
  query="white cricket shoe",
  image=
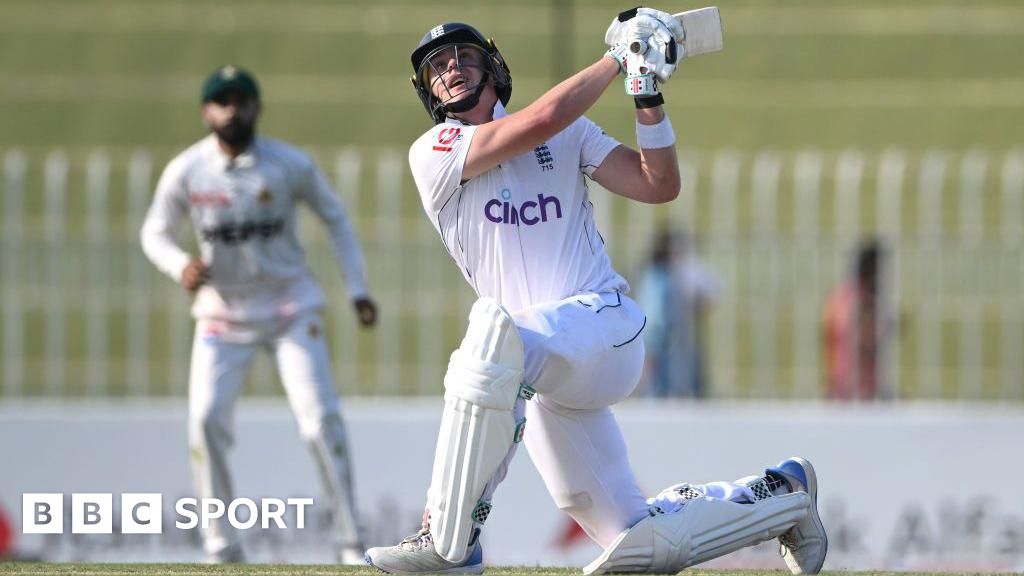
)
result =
(416, 555)
(803, 546)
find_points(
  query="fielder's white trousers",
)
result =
(584, 354)
(219, 366)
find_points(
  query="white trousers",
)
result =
(219, 366)
(584, 354)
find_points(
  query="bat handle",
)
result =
(638, 47)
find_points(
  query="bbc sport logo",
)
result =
(142, 513)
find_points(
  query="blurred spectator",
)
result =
(6, 536)
(676, 290)
(9, 552)
(858, 327)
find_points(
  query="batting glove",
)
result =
(640, 81)
(618, 30)
(619, 53)
(659, 53)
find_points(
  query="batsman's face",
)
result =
(454, 72)
(232, 117)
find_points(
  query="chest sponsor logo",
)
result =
(209, 198)
(447, 137)
(231, 233)
(503, 211)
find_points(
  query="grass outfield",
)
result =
(312, 570)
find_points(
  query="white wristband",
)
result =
(658, 135)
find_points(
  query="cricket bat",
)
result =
(702, 33)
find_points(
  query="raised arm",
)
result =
(650, 175)
(522, 131)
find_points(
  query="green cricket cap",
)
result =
(229, 78)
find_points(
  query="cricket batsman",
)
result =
(254, 291)
(554, 340)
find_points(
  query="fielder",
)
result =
(253, 291)
(554, 340)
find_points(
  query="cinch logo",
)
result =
(529, 212)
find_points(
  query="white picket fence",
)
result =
(84, 314)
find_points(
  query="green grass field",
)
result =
(31, 569)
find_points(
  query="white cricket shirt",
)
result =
(243, 213)
(523, 232)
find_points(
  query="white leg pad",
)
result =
(477, 426)
(704, 529)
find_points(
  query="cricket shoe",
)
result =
(416, 555)
(803, 546)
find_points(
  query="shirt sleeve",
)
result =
(595, 146)
(320, 196)
(436, 160)
(170, 205)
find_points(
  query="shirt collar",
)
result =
(499, 110)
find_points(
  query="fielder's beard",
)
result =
(236, 134)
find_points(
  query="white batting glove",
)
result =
(619, 53)
(617, 31)
(660, 54)
(640, 81)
